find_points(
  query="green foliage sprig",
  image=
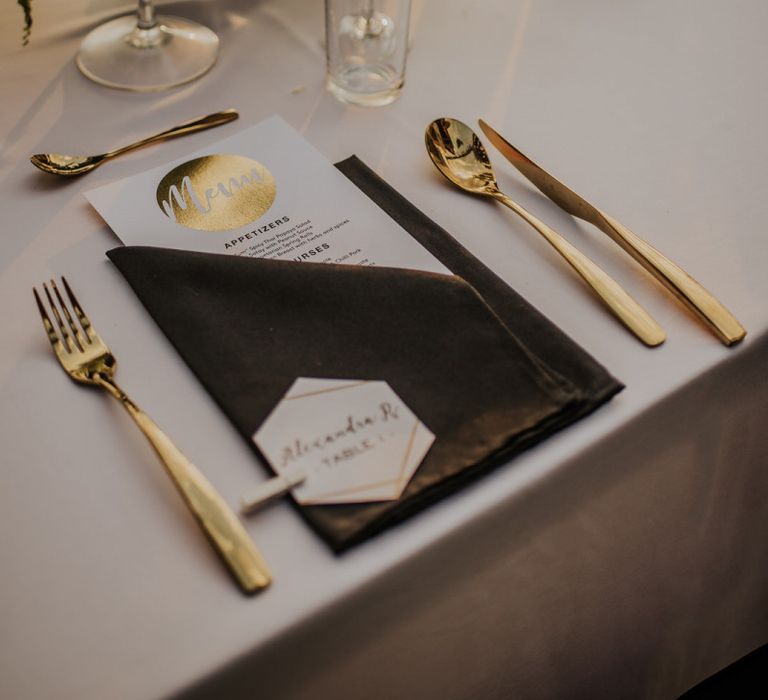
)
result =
(26, 6)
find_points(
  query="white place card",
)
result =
(347, 441)
(264, 192)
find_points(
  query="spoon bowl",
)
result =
(58, 164)
(460, 156)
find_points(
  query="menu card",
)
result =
(264, 192)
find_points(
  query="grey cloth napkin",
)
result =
(486, 372)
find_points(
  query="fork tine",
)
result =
(76, 334)
(53, 337)
(62, 329)
(84, 320)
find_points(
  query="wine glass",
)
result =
(146, 53)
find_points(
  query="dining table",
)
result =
(623, 557)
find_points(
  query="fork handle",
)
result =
(623, 306)
(217, 520)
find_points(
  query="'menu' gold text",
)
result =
(216, 193)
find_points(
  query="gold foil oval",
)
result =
(216, 193)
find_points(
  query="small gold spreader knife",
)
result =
(680, 283)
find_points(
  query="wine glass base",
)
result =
(175, 51)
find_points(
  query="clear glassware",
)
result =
(366, 46)
(146, 53)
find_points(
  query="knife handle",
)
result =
(722, 322)
(624, 307)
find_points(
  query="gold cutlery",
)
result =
(58, 164)
(679, 282)
(459, 155)
(86, 359)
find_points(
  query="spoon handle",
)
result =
(190, 127)
(624, 307)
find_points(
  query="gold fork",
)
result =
(86, 358)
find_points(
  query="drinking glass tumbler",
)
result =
(366, 45)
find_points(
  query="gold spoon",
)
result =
(458, 153)
(57, 164)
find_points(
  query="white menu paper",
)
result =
(264, 192)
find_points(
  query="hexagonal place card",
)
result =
(346, 441)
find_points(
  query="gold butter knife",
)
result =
(680, 283)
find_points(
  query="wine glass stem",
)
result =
(146, 14)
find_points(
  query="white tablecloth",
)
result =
(625, 557)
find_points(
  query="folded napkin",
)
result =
(486, 373)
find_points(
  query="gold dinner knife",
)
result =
(680, 283)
